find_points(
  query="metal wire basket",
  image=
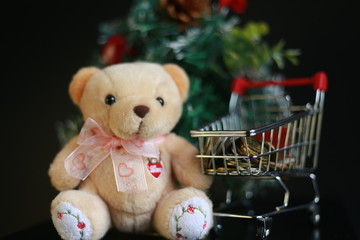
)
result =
(265, 136)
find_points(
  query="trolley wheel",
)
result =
(315, 217)
(217, 229)
(263, 227)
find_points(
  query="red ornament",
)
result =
(155, 169)
(81, 225)
(238, 6)
(114, 49)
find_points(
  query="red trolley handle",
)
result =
(319, 81)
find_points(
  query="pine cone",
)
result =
(186, 11)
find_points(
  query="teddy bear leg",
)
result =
(184, 214)
(80, 215)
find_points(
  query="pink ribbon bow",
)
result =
(95, 146)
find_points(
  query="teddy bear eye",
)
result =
(110, 100)
(160, 100)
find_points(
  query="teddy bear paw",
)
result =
(70, 222)
(192, 219)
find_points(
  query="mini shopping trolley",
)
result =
(266, 136)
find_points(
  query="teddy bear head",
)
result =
(131, 100)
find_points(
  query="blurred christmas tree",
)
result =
(204, 37)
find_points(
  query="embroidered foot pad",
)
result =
(70, 222)
(191, 219)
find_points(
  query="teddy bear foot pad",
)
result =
(70, 222)
(191, 219)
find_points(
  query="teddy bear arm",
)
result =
(186, 167)
(60, 179)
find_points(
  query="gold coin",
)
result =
(231, 162)
(210, 171)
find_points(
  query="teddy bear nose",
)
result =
(141, 110)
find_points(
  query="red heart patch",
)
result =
(155, 169)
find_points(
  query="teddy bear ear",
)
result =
(79, 81)
(180, 78)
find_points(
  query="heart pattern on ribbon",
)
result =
(124, 170)
(79, 161)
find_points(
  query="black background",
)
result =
(43, 45)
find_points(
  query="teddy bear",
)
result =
(126, 169)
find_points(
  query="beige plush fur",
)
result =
(132, 84)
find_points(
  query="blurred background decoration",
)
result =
(207, 38)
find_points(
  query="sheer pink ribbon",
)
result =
(95, 146)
